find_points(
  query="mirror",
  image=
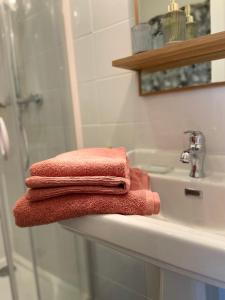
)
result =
(161, 23)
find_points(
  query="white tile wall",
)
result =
(159, 120)
(107, 12)
(114, 114)
(109, 135)
(110, 44)
(80, 10)
(85, 58)
(107, 289)
(60, 249)
(89, 98)
(176, 287)
(120, 270)
(118, 101)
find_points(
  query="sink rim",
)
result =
(198, 251)
(214, 163)
(194, 250)
(178, 174)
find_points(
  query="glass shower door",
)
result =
(16, 265)
(18, 262)
(46, 128)
(8, 285)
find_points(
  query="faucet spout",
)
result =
(195, 155)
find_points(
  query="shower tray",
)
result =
(189, 233)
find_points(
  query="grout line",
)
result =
(92, 32)
(81, 37)
(91, 15)
(112, 26)
(124, 74)
(99, 79)
(114, 124)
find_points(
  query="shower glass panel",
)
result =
(4, 278)
(47, 126)
(16, 266)
(36, 105)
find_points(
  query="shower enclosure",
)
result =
(36, 114)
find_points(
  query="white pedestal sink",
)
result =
(189, 234)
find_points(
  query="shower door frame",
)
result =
(7, 244)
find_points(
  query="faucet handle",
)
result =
(193, 132)
(197, 138)
(185, 157)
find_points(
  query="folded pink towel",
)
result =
(92, 170)
(85, 184)
(84, 162)
(140, 202)
(37, 194)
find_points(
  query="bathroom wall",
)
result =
(112, 111)
(113, 114)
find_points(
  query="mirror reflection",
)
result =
(165, 22)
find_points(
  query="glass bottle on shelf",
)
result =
(174, 23)
(191, 26)
(141, 38)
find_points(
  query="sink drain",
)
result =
(193, 192)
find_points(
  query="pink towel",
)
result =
(138, 201)
(141, 202)
(92, 170)
(36, 194)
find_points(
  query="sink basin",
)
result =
(204, 210)
(189, 232)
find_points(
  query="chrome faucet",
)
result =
(195, 155)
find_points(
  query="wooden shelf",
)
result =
(198, 50)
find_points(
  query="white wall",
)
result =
(113, 114)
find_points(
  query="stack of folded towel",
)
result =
(84, 182)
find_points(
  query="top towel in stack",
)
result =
(92, 171)
(83, 182)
